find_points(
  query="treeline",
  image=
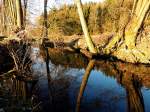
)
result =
(110, 16)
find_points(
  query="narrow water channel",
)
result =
(77, 84)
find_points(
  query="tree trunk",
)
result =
(135, 24)
(19, 14)
(2, 19)
(25, 11)
(139, 12)
(45, 34)
(88, 38)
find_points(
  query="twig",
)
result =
(8, 73)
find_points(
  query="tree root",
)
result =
(112, 44)
(8, 74)
(133, 56)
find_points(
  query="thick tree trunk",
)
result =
(88, 39)
(2, 19)
(135, 24)
(139, 12)
(8, 16)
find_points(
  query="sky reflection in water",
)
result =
(103, 92)
(110, 87)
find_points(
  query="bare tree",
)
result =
(45, 19)
(25, 2)
(88, 38)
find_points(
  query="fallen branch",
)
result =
(87, 53)
(8, 74)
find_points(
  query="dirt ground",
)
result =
(5, 59)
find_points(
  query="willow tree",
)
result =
(12, 15)
(126, 44)
(129, 34)
(88, 38)
(8, 16)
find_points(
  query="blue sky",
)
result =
(36, 6)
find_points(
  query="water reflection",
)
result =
(132, 85)
(132, 78)
(69, 82)
(134, 96)
(129, 81)
(15, 96)
(84, 82)
(51, 89)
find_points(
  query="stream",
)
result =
(77, 84)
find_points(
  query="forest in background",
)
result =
(108, 17)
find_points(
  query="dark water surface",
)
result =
(74, 83)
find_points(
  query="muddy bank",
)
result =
(15, 60)
(78, 41)
(139, 54)
(6, 62)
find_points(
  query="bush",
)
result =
(107, 17)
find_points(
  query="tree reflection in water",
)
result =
(130, 77)
(84, 82)
(16, 96)
(134, 95)
(130, 82)
(51, 91)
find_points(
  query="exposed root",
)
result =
(8, 74)
(112, 44)
(20, 53)
(133, 55)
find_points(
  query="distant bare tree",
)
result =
(45, 19)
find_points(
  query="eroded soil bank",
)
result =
(76, 43)
(139, 54)
(6, 62)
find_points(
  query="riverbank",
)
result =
(113, 81)
(6, 62)
(139, 54)
(76, 43)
